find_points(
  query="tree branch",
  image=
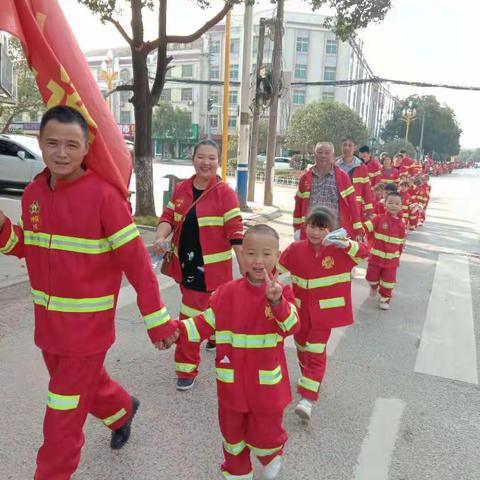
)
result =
(120, 88)
(119, 27)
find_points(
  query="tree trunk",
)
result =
(8, 122)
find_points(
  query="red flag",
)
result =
(63, 78)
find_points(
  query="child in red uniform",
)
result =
(379, 200)
(321, 276)
(408, 206)
(389, 172)
(250, 317)
(426, 194)
(388, 232)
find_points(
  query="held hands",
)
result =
(274, 289)
(167, 342)
(161, 246)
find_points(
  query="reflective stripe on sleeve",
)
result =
(303, 195)
(217, 257)
(348, 191)
(292, 319)
(157, 318)
(170, 205)
(354, 248)
(123, 236)
(114, 418)
(309, 384)
(298, 220)
(12, 242)
(177, 216)
(209, 317)
(192, 330)
(189, 311)
(357, 225)
(62, 402)
(234, 212)
(368, 225)
(210, 222)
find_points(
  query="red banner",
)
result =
(63, 78)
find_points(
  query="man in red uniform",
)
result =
(373, 165)
(77, 236)
(326, 185)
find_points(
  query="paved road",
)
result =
(400, 401)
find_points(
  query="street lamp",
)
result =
(108, 75)
(409, 115)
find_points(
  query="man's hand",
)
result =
(167, 342)
(161, 246)
(274, 289)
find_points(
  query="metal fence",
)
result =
(279, 180)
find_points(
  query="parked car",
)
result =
(20, 160)
(282, 163)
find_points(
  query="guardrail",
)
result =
(260, 177)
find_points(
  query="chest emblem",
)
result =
(34, 210)
(385, 226)
(179, 202)
(328, 262)
(268, 313)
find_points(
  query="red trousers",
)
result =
(78, 386)
(311, 342)
(262, 434)
(382, 277)
(187, 362)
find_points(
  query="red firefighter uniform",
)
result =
(76, 251)
(374, 171)
(427, 188)
(322, 287)
(422, 200)
(414, 212)
(389, 176)
(408, 207)
(252, 377)
(379, 208)
(219, 222)
(348, 206)
(388, 235)
(363, 189)
(415, 169)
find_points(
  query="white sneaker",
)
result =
(384, 305)
(304, 409)
(272, 470)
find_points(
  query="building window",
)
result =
(187, 71)
(233, 98)
(234, 72)
(215, 46)
(301, 72)
(302, 58)
(125, 116)
(166, 95)
(331, 47)
(232, 122)
(328, 96)
(298, 97)
(215, 97)
(213, 119)
(187, 94)
(214, 72)
(329, 74)
(302, 44)
(235, 45)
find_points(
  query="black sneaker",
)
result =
(210, 346)
(121, 435)
(184, 384)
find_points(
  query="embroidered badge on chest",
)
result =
(385, 226)
(34, 210)
(268, 313)
(328, 262)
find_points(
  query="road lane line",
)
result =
(447, 347)
(375, 457)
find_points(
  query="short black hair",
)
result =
(207, 142)
(393, 194)
(391, 187)
(322, 217)
(404, 184)
(364, 149)
(349, 139)
(65, 114)
(379, 186)
(262, 229)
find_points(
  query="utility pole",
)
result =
(272, 125)
(243, 136)
(421, 131)
(226, 95)
(252, 160)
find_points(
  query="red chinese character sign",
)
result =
(63, 78)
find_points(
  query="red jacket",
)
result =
(347, 204)
(219, 221)
(407, 206)
(77, 241)
(379, 208)
(388, 235)
(389, 176)
(322, 280)
(374, 171)
(363, 189)
(415, 169)
(252, 372)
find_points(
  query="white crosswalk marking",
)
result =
(448, 348)
(374, 460)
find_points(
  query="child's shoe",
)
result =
(383, 305)
(210, 346)
(304, 409)
(184, 384)
(272, 470)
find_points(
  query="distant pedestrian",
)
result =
(373, 166)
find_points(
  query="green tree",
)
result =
(393, 147)
(469, 155)
(351, 15)
(441, 130)
(28, 96)
(262, 139)
(324, 121)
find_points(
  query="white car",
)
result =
(20, 160)
(282, 163)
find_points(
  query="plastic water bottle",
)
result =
(157, 259)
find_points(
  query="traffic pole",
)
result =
(226, 96)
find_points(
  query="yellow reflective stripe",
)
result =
(241, 340)
(385, 255)
(229, 476)
(123, 236)
(315, 347)
(357, 225)
(62, 402)
(354, 248)
(270, 377)
(12, 242)
(298, 220)
(359, 198)
(185, 367)
(368, 225)
(192, 330)
(234, 448)
(347, 191)
(298, 302)
(264, 452)
(292, 319)
(234, 212)
(210, 221)
(368, 206)
(309, 384)
(177, 216)
(303, 195)
(217, 257)
(386, 238)
(209, 317)
(114, 418)
(332, 303)
(225, 375)
(374, 174)
(170, 205)
(20, 222)
(155, 319)
(329, 281)
(37, 239)
(72, 305)
(385, 284)
(80, 245)
(360, 180)
(189, 311)
(281, 268)
(301, 282)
